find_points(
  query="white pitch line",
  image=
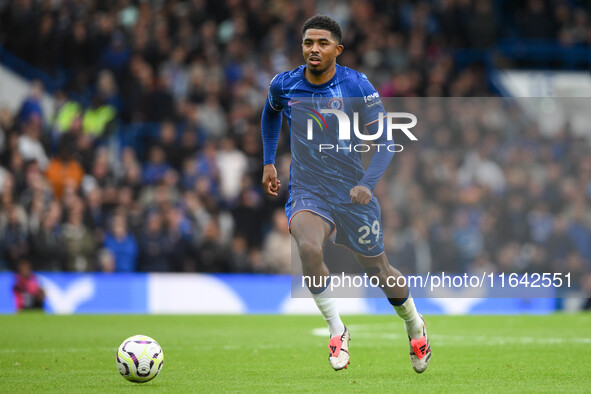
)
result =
(58, 350)
(454, 339)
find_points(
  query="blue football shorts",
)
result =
(358, 227)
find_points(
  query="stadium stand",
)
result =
(152, 158)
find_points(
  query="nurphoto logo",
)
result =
(391, 119)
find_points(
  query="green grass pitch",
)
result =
(41, 353)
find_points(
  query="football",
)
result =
(139, 359)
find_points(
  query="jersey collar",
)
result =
(323, 85)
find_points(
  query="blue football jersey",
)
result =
(330, 173)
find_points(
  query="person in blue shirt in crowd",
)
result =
(122, 245)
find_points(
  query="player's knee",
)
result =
(374, 271)
(310, 253)
(376, 267)
(381, 270)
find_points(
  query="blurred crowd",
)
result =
(174, 59)
(196, 72)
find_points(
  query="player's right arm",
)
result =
(370, 111)
(270, 128)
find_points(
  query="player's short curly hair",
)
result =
(323, 22)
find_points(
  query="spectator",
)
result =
(122, 245)
(45, 47)
(241, 258)
(102, 171)
(38, 194)
(540, 223)
(154, 246)
(16, 167)
(107, 91)
(167, 141)
(414, 253)
(6, 127)
(214, 256)
(580, 236)
(95, 217)
(232, 166)
(156, 167)
(536, 21)
(66, 113)
(29, 143)
(159, 197)
(106, 261)
(213, 121)
(482, 26)
(14, 234)
(191, 141)
(477, 169)
(158, 103)
(513, 220)
(175, 72)
(467, 239)
(31, 107)
(180, 235)
(47, 241)
(77, 48)
(207, 166)
(116, 56)
(277, 246)
(248, 217)
(559, 244)
(98, 118)
(78, 241)
(5, 180)
(28, 293)
(63, 169)
(190, 173)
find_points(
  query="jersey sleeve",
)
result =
(370, 105)
(372, 112)
(275, 89)
(271, 124)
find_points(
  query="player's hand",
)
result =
(270, 182)
(360, 194)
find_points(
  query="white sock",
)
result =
(412, 321)
(330, 311)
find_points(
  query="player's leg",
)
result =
(310, 232)
(359, 229)
(399, 297)
(379, 267)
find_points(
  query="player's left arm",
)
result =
(370, 109)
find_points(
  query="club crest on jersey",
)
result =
(335, 103)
